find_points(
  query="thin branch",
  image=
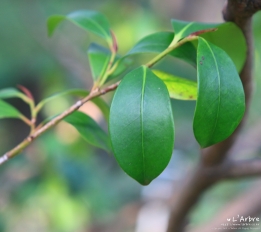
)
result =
(20, 147)
(235, 169)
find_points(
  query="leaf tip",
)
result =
(53, 22)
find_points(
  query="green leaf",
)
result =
(154, 43)
(8, 111)
(160, 41)
(88, 20)
(99, 58)
(221, 101)
(89, 130)
(178, 87)
(141, 125)
(79, 93)
(231, 39)
(12, 93)
(183, 29)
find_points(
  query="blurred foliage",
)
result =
(60, 183)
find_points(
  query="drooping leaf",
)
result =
(99, 58)
(8, 111)
(141, 125)
(178, 87)
(91, 21)
(159, 41)
(79, 93)
(231, 39)
(221, 102)
(183, 29)
(12, 93)
(89, 130)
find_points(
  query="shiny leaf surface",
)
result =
(221, 102)
(141, 125)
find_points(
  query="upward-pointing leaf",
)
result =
(141, 125)
(183, 29)
(159, 41)
(89, 20)
(99, 58)
(227, 36)
(221, 102)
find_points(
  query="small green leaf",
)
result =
(79, 93)
(141, 125)
(12, 93)
(160, 41)
(183, 29)
(88, 20)
(89, 130)
(8, 111)
(99, 58)
(221, 101)
(178, 87)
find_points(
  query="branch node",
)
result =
(3, 159)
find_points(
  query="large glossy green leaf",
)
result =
(221, 102)
(183, 29)
(231, 39)
(159, 41)
(89, 20)
(178, 87)
(99, 58)
(89, 130)
(141, 125)
(8, 111)
(79, 93)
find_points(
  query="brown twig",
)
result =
(240, 12)
(55, 121)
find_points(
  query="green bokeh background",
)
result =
(60, 183)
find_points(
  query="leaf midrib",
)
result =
(218, 111)
(141, 118)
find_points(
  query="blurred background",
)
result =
(60, 183)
